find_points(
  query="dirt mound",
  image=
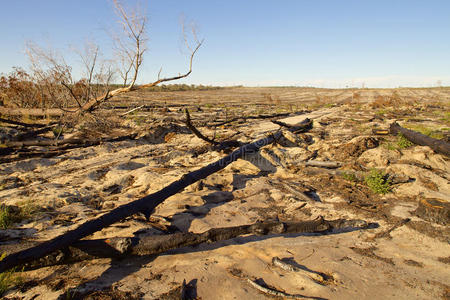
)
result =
(354, 148)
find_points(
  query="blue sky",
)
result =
(291, 42)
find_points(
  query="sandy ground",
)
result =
(409, 262)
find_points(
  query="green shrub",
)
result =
(6, 217)
(8, 278)
(14, 214)
(350, 176)
(403, 142)
(57, 131)
(377, 182)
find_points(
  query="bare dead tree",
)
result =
(54, 76)
(89, 58)
(130, 43)
(50, 70)
(134, 25)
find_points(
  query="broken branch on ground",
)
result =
(120, 247)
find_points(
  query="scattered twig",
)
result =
(288, 267)
(277, 293)
(195, 130)
(130, 111)
(251, 117)
(303, 126)
(387, 233)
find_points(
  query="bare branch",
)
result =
(71, 93)
(92, 104)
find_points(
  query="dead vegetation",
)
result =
(323, 166)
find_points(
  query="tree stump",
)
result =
(434, 210)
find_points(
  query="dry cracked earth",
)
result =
(405, 256)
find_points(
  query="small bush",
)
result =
(377, 182)
(349, 176)
(6, 217)
(403, 142)
(57, 131)
(14, 214)
(8, 278)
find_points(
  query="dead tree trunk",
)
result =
(144, 205)
(438, 146)
(150, 245)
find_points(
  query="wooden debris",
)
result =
(288, 267)
(434, 210)
(277, 293)
(380, 131)
(439, 146)
(130, 111)
(144, 205)
(243, 119)
(7, 121)
(80, 142)
(150, 245)
(303, 126)
(387, 233)
(322, 164)
(224, 145)
(195, 130)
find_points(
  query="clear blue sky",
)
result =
(287, 42)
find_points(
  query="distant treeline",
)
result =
(182, 87)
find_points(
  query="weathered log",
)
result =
(322, 164)
(37, 112)
(418, 138)
(150, 245)
(7, 121)
(83, 142)
(33, 154)
(144, 205)
(243, 119)
(33, 133)
(277, 293)
(315, 276)
(303, 126)
(434, 210)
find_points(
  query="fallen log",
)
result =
(33, 133)
(32, 154)
(418, 138)
(150, 245)
(7, 121)
(303, 126)
(276, 293)
(144, 205)
(322, 164)
(278, 115)
(36, 112)
(82, 142)
(434, 210)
